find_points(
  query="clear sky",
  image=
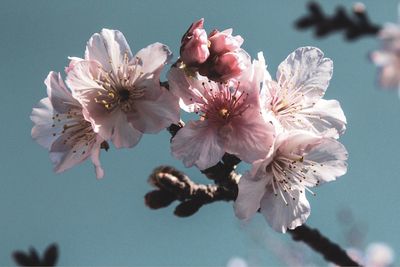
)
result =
(106, 222)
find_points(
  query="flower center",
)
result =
(123, 94)
(221, 102)
(224, 113)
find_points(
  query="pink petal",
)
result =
(152, 116)
(189, 89)
(249, 137)
(95, 156)
(197, 144)
(124, 134)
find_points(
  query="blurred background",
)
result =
(106, 222)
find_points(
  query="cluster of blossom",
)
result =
(283, 128)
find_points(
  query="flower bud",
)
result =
(194, 45)
(228, 65)
(223, 42)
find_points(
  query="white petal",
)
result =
(153, 116)
(331, 157)
(108, 48)
(152, 58)
(61, 98)
(65, 157)
(281, 216)
(197, 144)
(82, 80)
(42, 132)
(251, 191)
(307, 71)
(326, 115)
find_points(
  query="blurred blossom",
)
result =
(379, 255)
(236, 262)
(387, 59)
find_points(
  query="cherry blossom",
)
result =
(230, 119)
(60, 127)
(121, 93)
(295, 99)
(277, 184)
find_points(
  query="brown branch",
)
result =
(173, 185)
(355, 25)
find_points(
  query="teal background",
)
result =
(106, 222)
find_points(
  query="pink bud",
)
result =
(223, 42)
(194, 45)
(229, 65)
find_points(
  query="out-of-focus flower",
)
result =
(194, 45)
(377, 254)
(121, 93)
(236, 262)
(295, 99)
(60, 127)
(219, 57)
(230, 119)
(388, 57)
(276, 185)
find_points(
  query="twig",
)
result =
(355, 26)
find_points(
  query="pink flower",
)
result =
(194, 46)
(230, 120)
(121, 93)
(388, 58)
(60, 127)
(219, 57)
(276, 184)
(295, 99)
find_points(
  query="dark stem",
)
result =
(355, 25)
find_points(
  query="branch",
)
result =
(173, 185)
(32, 258)
(355, 25)
(329, 250)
